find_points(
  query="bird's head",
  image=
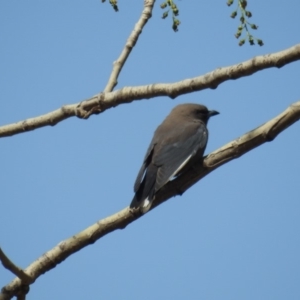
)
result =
(195, 111)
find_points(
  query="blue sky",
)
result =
(234, 235)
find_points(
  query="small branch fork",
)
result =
(102, 101)
(9, 265)
(265, 133)
(25, 279)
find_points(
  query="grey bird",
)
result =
(178, 143)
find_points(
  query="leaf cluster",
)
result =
(241, 10)
(170, 5)
(113, 3)
(245, 25)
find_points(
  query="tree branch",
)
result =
(102, 101)
(265, 133)
(119, 63)
(9, 265)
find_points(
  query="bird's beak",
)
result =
(213, 113)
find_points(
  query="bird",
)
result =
(177, 144)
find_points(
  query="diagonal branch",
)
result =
(9, 265)
(100, 102)
(265, 133)
(119, 63)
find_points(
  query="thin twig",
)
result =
(265, 133)
(133, 38)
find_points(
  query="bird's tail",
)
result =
(145, 193)
(143, 205)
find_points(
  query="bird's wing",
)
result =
(178, 149)
(144, 166)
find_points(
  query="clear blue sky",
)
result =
(234, 235)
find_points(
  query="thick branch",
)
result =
(119, 63)
(265, 133)
(103, 101)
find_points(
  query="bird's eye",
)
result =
(201, 112)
